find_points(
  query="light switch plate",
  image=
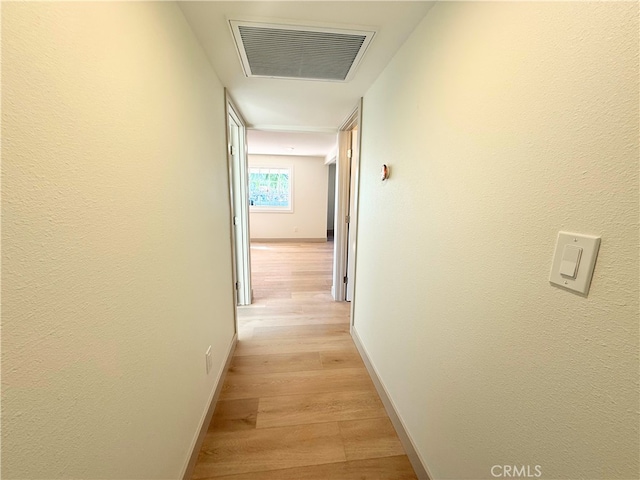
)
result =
(587, 261)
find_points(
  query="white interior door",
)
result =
(239, 206)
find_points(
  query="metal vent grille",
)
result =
(283, 51)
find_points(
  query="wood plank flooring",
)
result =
(297, 402)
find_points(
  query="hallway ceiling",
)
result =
(305, 144)
(286, 105)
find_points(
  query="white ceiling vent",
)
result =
(292, 51)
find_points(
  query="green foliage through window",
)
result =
(270, 187)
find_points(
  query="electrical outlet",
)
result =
(207, 356)
(295, 229)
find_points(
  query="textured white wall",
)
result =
(503, 124)
(309, 215)
(116, 269)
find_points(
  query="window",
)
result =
(270, 189)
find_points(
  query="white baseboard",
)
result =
(414, 457)
(196, 444)
(290, 240)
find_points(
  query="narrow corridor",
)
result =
(297, 402)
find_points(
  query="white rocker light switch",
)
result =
(574, 261)
(570, 261)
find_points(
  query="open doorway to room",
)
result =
(291, 190)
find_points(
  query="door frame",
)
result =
(343, 194)
(239, 205)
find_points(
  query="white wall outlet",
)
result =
(207, 356)
(295, 229)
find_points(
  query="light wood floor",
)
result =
(297, 402)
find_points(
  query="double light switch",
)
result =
(574, 261)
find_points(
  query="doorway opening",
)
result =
(284, 203)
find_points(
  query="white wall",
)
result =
(115, 241)
(309, 217)
(505, 123)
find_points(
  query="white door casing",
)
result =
(346, 210)
(238, 179)
(354, 157)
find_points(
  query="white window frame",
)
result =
(272, 209)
